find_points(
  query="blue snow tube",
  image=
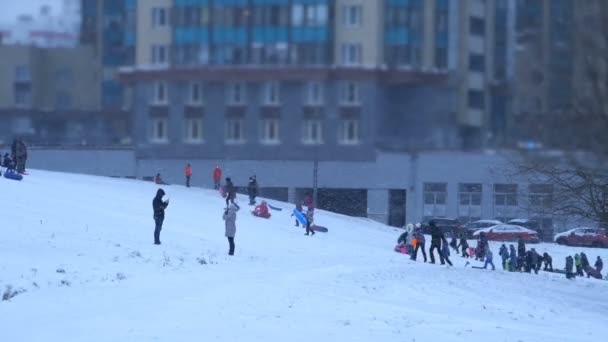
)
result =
(301, 218)
(13, 176)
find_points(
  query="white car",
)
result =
(472, 227)
(508, 232)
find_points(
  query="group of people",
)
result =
(16, 160)
(520, 260)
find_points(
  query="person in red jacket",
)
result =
(262, 210)
(188, 172)
(217, 177)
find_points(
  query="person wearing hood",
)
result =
(548, 262)
(409, 241)
(584, 261)
(599, 264)
(569, 267)
(252, 189)
(437, 237)
(159, 207)
(513, 259)
(504, 254)
(230, 190)
(578, 265)
(420, 240)
(230, 220)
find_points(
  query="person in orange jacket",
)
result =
(188, 172)
(217, 177)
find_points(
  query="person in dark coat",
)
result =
(599, 264)
(513, 266)
(252, 189)
(402, 238)
(569, 267)
(8, 163)
(521, 253)
(437, 237)
(420, 241)
(230, 191)
(504, 254)
(20, 156)
(309, 220)
(229, 218)
(534, 261)
(585, 262)
(159, 207)
(548, 262)
(445, 252)
(454, 243)
(464, 245)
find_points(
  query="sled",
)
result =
(300, 217)
(275, 208)
(258, 214)
(13, 176)
(320, 229)
(401, 249)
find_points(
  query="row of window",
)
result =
(236, 93)
(312, 131)
(506, 200)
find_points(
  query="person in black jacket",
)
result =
(464, 245)
(521, 253)
(230, 190)
(252, 189)
(569, 267)
(437, 237)
(548, 262)
(159, 207)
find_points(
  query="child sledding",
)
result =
(262, 210)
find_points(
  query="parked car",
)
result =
(584, 237)
(445, 224)
(530, 224)
(508, 232)
(472, 227)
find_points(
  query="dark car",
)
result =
(472, 227)
(445, 224)
(584, 237)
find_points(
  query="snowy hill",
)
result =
(81, 249)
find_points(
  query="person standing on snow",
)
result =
(521, 253)
(159, 207)
(489, 257)
(534, 261)
(513, 259)
(445, 252)
(548, 262)
(299, 209)
(420, 240)
(437, 237)
(188, 172)
(504, 254)
(584, 261)
(410, 239)
(599, 264)
(217, 176)
(569, 267)
(454, 243)
(578, 264)
(230, 220)
(230, 190)
(252, 189)
(464, 245)
(309, 220)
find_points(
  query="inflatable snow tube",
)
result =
(13, 176)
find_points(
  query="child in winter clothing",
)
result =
(445, 252)
(548, 262)
(309, 220)
(464, 245)
(453, 243)
(299, 209)
(599, 264)
(504, 254)
(569, 267)
(513, 259)
(420, 241)
(489, 258)
(578, 264)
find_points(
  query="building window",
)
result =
(159, 96)
(196, 93)
(160, 134)
(469, 202)
(351, 54)
(349, 94)
(23, 96)
(477, 99)
(22, 73)
(271, 93)
(352, 15)
(314, 93)
(159, 54)
(236, 93)
(270, 131)
(435, 198)
(234, 131)
(312, 132)
(312, 15)
(540, 197)
(505, 201)
(159, 17)
(194, 131)
(477, 63)
(478, 26)
(349, 132)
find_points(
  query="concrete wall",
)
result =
(103, 162)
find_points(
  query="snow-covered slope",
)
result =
(81, 248)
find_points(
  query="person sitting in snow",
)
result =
(262, 210)
(8, 164)
(159, 180)
(548, 262)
